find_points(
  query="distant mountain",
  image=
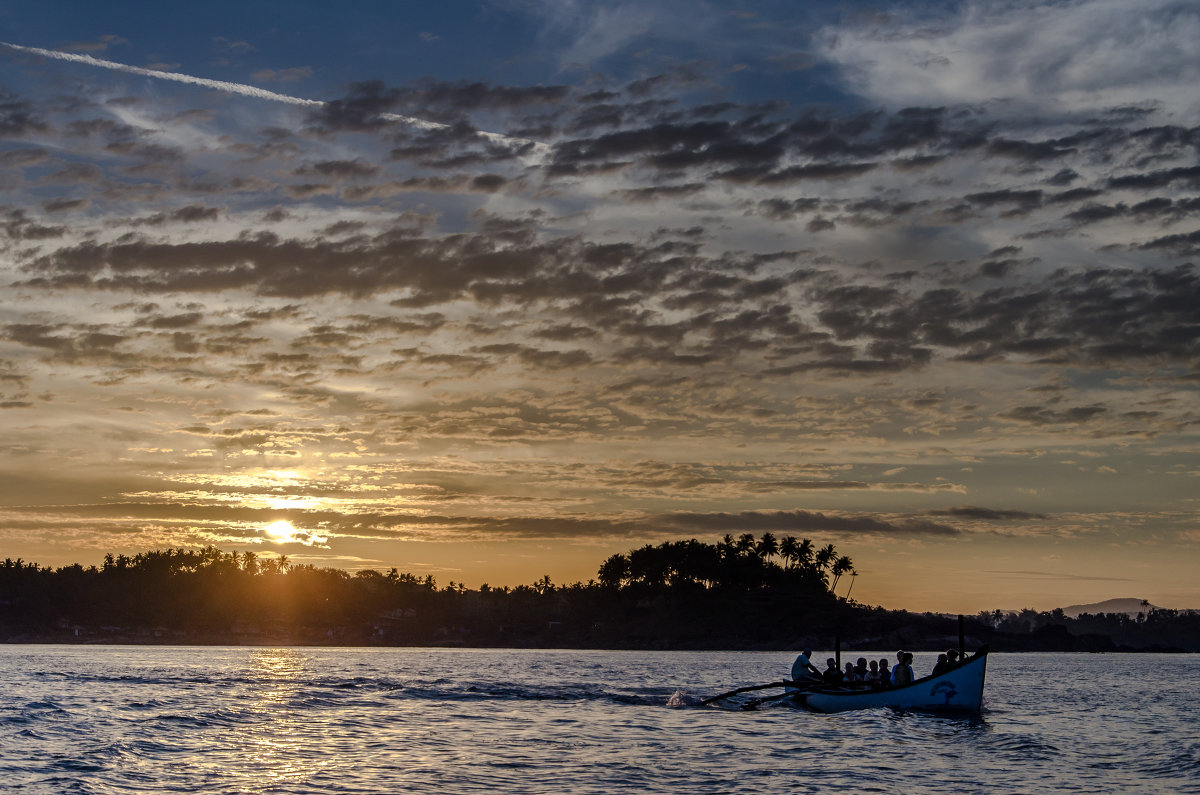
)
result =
(1129, 606)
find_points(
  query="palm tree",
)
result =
(804, 554)
(745, 543)
(767, 546)
(787, 550)
(842, 565)
(824, 557)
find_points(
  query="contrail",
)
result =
(236, 88)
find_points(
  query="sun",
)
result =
(280, 531)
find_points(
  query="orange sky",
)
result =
(493, 319)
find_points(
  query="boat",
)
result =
(958, 690)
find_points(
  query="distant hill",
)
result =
(1129, 606)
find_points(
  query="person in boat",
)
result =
(873, 672)
(803, 670)
(885, 676)
(951, 658)
(832, 675)
(850, 675)
(942, 664)
(860, 670)
(902, 672)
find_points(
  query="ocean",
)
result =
(135, 719)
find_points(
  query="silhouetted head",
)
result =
(952, 655)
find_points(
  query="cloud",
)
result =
(314, 525)
(334, 110)
(1050, 575)
(1061, 57)
(688, 313)
(18, 120)
(987, 514)
(584, 33)
(808, 522)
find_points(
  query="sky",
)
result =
(493, 290)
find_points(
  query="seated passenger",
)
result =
(849, 675)
(941, 665)
(951, 657)
(832, 675)
(873, 673)
(860, 670)
(885, 676)
(902, 673)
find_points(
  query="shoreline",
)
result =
(289, 642)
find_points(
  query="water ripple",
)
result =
(133, 720)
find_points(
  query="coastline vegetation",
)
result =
(739, 593)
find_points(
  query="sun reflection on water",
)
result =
(271, 738)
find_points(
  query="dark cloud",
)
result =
(862, 327)
(791, 174)
(64, 205)
(1063, 177)
(456, 146)
(193, 213)
(361, 110)
(1095, 213)
(1074, 195)
(1021, 201)
(17, 225)
(660, 192)
(1075, 312)
(75, 174)
(1031, 151)
(535, 357)
(64, 342)
(1185, 244)
(18, 118)
(173, 321)
(341, 169)
(785, 210)
(987, 514)
(806, 522)
(1188, 176)
(20, 158)
(442, 526)
(1046, 415)
(466, 96)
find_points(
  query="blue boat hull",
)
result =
(959, 690)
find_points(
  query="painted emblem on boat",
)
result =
(946, 688)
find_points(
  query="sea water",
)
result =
(121, 719)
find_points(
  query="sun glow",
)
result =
(284, 532)
(280, 531)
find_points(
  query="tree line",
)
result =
(740, 592)
(678, 592)
(744, 562)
